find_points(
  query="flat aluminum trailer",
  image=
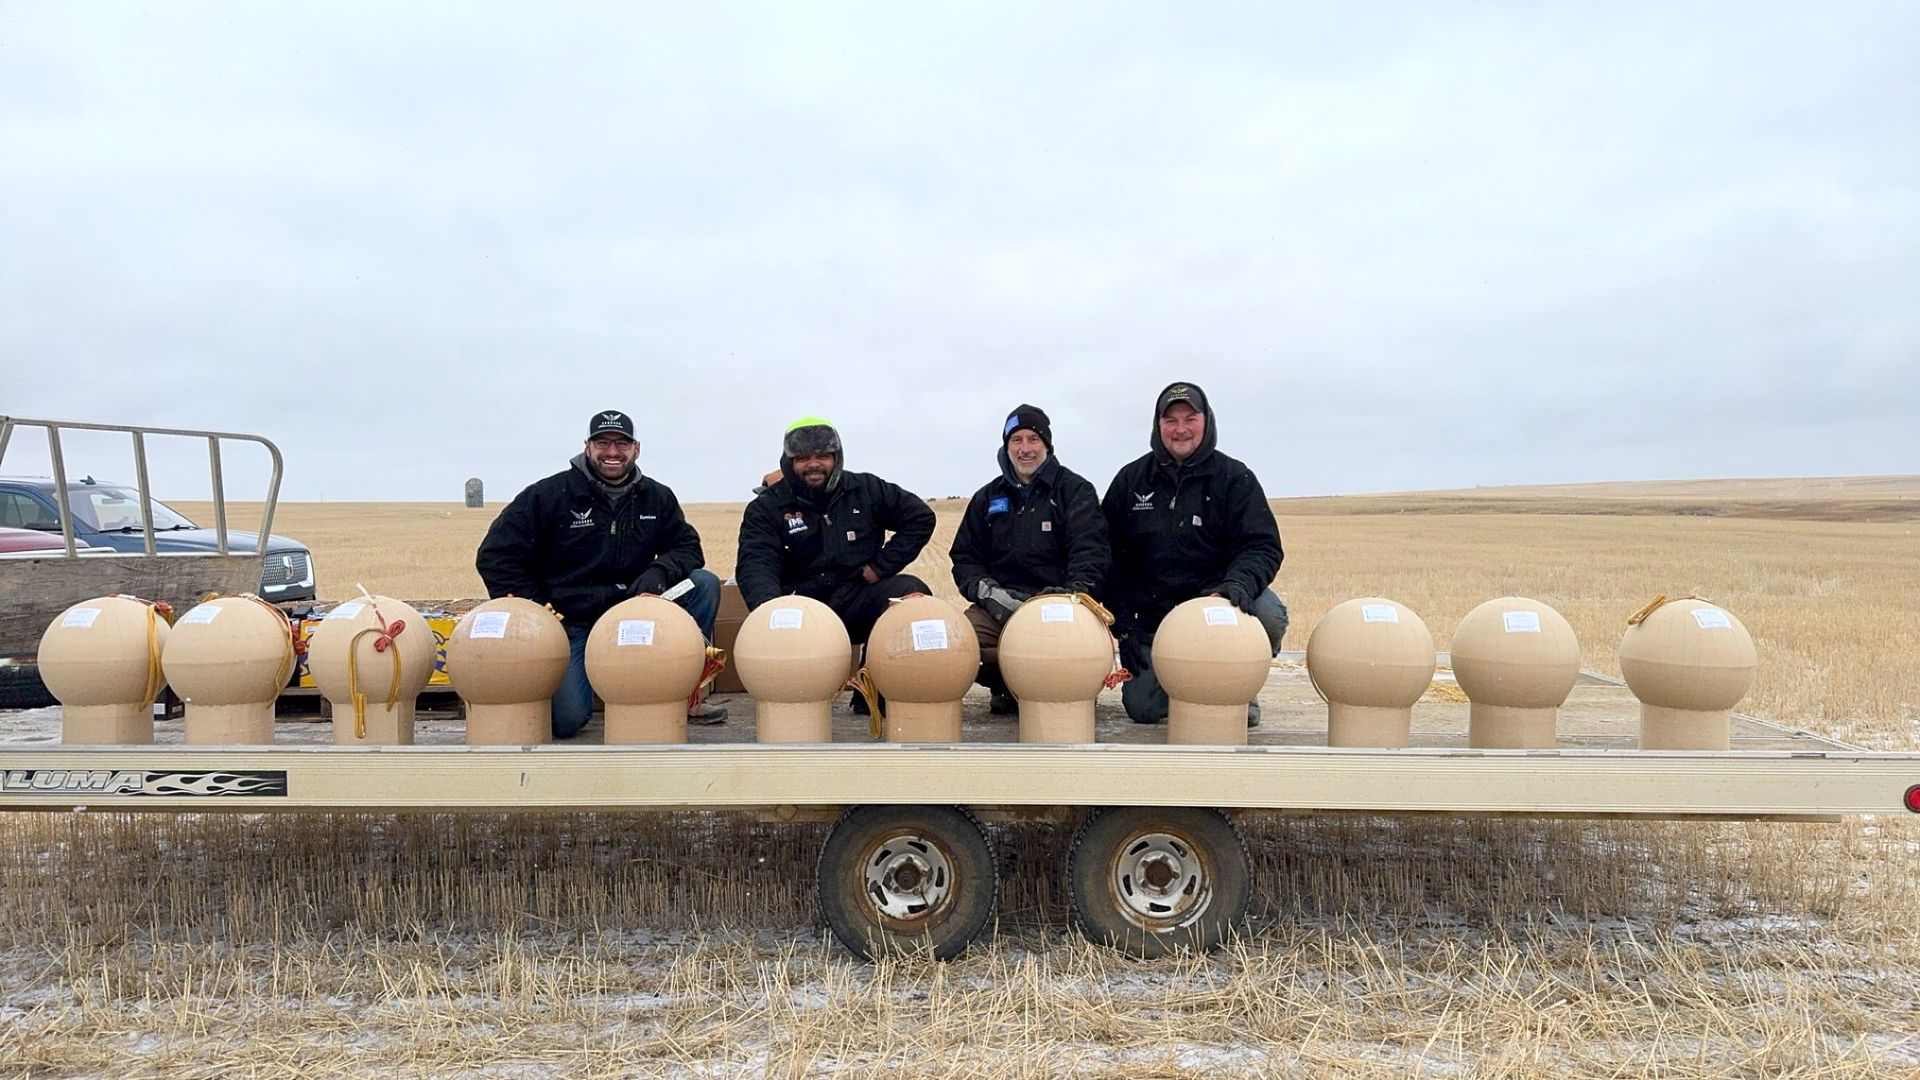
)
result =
(1156, 864)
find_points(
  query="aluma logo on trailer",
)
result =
(141, 782)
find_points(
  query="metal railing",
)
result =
(53, 429)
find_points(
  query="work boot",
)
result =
(706, 713)
(1002, 703)
(1253, 714)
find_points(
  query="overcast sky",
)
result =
(1435, 245)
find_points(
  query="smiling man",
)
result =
(840, 537)
(1185, 521)
(1034, 528)
(590, 536)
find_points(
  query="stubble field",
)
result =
(687, 944)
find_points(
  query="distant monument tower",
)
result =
(476, 498)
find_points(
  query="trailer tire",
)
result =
(1156, 880)
(915, 880)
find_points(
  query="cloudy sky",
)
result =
(1418, 246)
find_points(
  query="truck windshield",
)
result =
(109, 508)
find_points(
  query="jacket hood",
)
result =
(1193, 395)
(586, 469)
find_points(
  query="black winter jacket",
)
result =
(1185, 530)
(1046, 536)
(789, 544)
(563, 542)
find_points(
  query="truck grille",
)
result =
(284, 569)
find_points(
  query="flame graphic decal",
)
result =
(216, 783)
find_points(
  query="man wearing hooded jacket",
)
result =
(1185, 521)
(588, 537)
(1035, 528)
(821, 531)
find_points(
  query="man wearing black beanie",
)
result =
(1037, 527)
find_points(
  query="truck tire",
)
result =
(21, 688)
(915, 880)
(1156, 880)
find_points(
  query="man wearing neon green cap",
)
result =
(821, 531)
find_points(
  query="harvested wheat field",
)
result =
(688, 944)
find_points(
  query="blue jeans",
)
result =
(573, 702)
(1145, 698)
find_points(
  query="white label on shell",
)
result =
(1521, 622)
(491, 624)
(205, 613)
(929, 634)
(1221, 615)
(348, 610)
(784, 618)
(635, 632)
(1056, 612)
(1379, 613)
(1712, 618)
(80, 618)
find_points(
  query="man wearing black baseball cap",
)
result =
(1185, 521)
(590, 536)
(1034, 528)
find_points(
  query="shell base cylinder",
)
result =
(384, 726)
(653, 723)
(1385, 726)
(106, 725)
(1662, 728)
(1192, 724)
(1510, 727)
(526, 723)
(1056, 721)
(250, 723)
(922, 721)
(793, 721)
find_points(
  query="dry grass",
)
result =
(612, 945)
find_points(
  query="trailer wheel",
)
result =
(1150, 881)
(907, 879)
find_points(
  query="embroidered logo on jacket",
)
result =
(997, 506)
(796, 522)
(1046, 526)
(1143, 502)
(582, 519)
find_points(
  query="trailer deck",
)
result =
(1772, 771)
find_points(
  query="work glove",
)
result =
(652, 581)
(1000, 601)
(1234, 593)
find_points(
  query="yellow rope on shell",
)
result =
(293, 657)
(353, 677)
(1656, 604)
(862, 683)
(716, 662)
(156, 678)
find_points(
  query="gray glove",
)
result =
(1000, 601)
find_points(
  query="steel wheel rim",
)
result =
(907, 880)
(1160, 881)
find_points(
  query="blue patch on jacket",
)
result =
(997, 506)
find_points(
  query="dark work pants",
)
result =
(861, 605)
(1145, 699)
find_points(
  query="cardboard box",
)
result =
(726, 627)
